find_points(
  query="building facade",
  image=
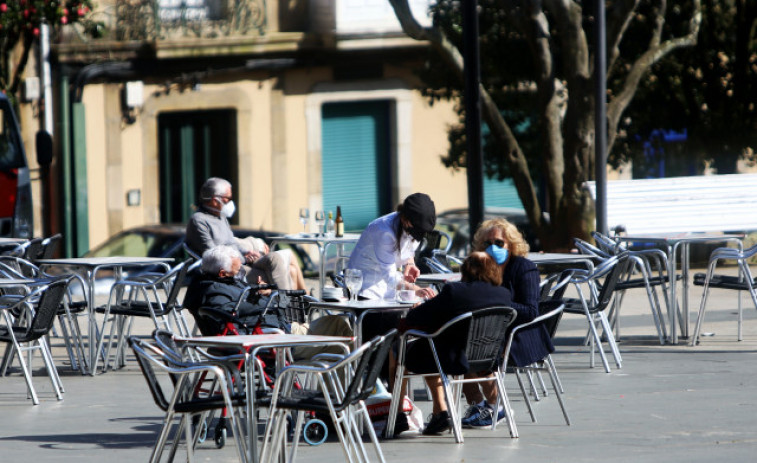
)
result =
(299, 103)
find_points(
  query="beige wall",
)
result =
(278, 146)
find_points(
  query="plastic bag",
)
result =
(378, 404)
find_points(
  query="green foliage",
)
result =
(20, 21)
(709, 90)
(506, 63)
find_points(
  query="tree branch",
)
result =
(619, 103)
(499, 128)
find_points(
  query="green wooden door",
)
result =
(193, 146)
(356, 160)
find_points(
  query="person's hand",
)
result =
(251, 257)
(411, 272)
(425, 293)
(263, 292)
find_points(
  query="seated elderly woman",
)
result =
(502, 241)
(220, 286)
(479, 288)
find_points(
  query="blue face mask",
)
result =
(497, 253)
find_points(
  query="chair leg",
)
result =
(52, 371)
(505, 402)
(27, 374)
(557, 388)
(610, 339)
(654, 304)
(363, 411)
(452, 409)
(703, 302)
(596, 343)
(752, 292)
(551, 362)
(525, 396)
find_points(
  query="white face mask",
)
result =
(228, 209)
(407, 246)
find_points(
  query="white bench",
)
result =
(705, 203)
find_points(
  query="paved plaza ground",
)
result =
(667, 403)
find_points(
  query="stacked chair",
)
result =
(35, 314)
(71, 306)
(743, 282)
(637, 263)
(600, 284)
(151, 297)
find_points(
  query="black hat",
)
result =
(420, 211)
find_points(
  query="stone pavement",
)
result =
(667, 403)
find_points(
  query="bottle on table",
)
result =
(330, 226)
(339, 222)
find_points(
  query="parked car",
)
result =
(166, 240)
(455, 223)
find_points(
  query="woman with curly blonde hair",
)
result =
(503, 241)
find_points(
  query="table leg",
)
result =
(395, 403)
(673, 307)
(685, 262)
(252, 425)
(92, 329)
(322, 269)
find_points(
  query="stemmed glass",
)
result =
(304, 218)
(320, 219)
(353, 278)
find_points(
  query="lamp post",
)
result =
(600, 118)
(472, 100)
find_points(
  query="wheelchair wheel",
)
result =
(203, 431)
(315, 432)
(220, 433)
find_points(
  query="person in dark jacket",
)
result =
(219, 286)
(479, 288)
(503, 241)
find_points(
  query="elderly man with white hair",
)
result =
(209, 227)
(220, 286)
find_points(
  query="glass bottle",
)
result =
(339, 222)
(330, 226)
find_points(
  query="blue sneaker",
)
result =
(484, 418)
(471, 414)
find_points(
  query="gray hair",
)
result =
(214, 186)
(218, 258)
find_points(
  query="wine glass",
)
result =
(353, 278)
(304, 218)
(320, 219)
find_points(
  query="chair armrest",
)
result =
(538, 319)
(426, 335)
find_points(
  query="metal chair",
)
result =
(325, 392)
(37, 314)
(551, 312)
(156, 299)
(182, 400)
(638, 261)
(486, 332)
(69, 311)
(743, 282)
(429, 255)
(49, 246)
(593, 305)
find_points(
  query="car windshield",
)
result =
(136, 244)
